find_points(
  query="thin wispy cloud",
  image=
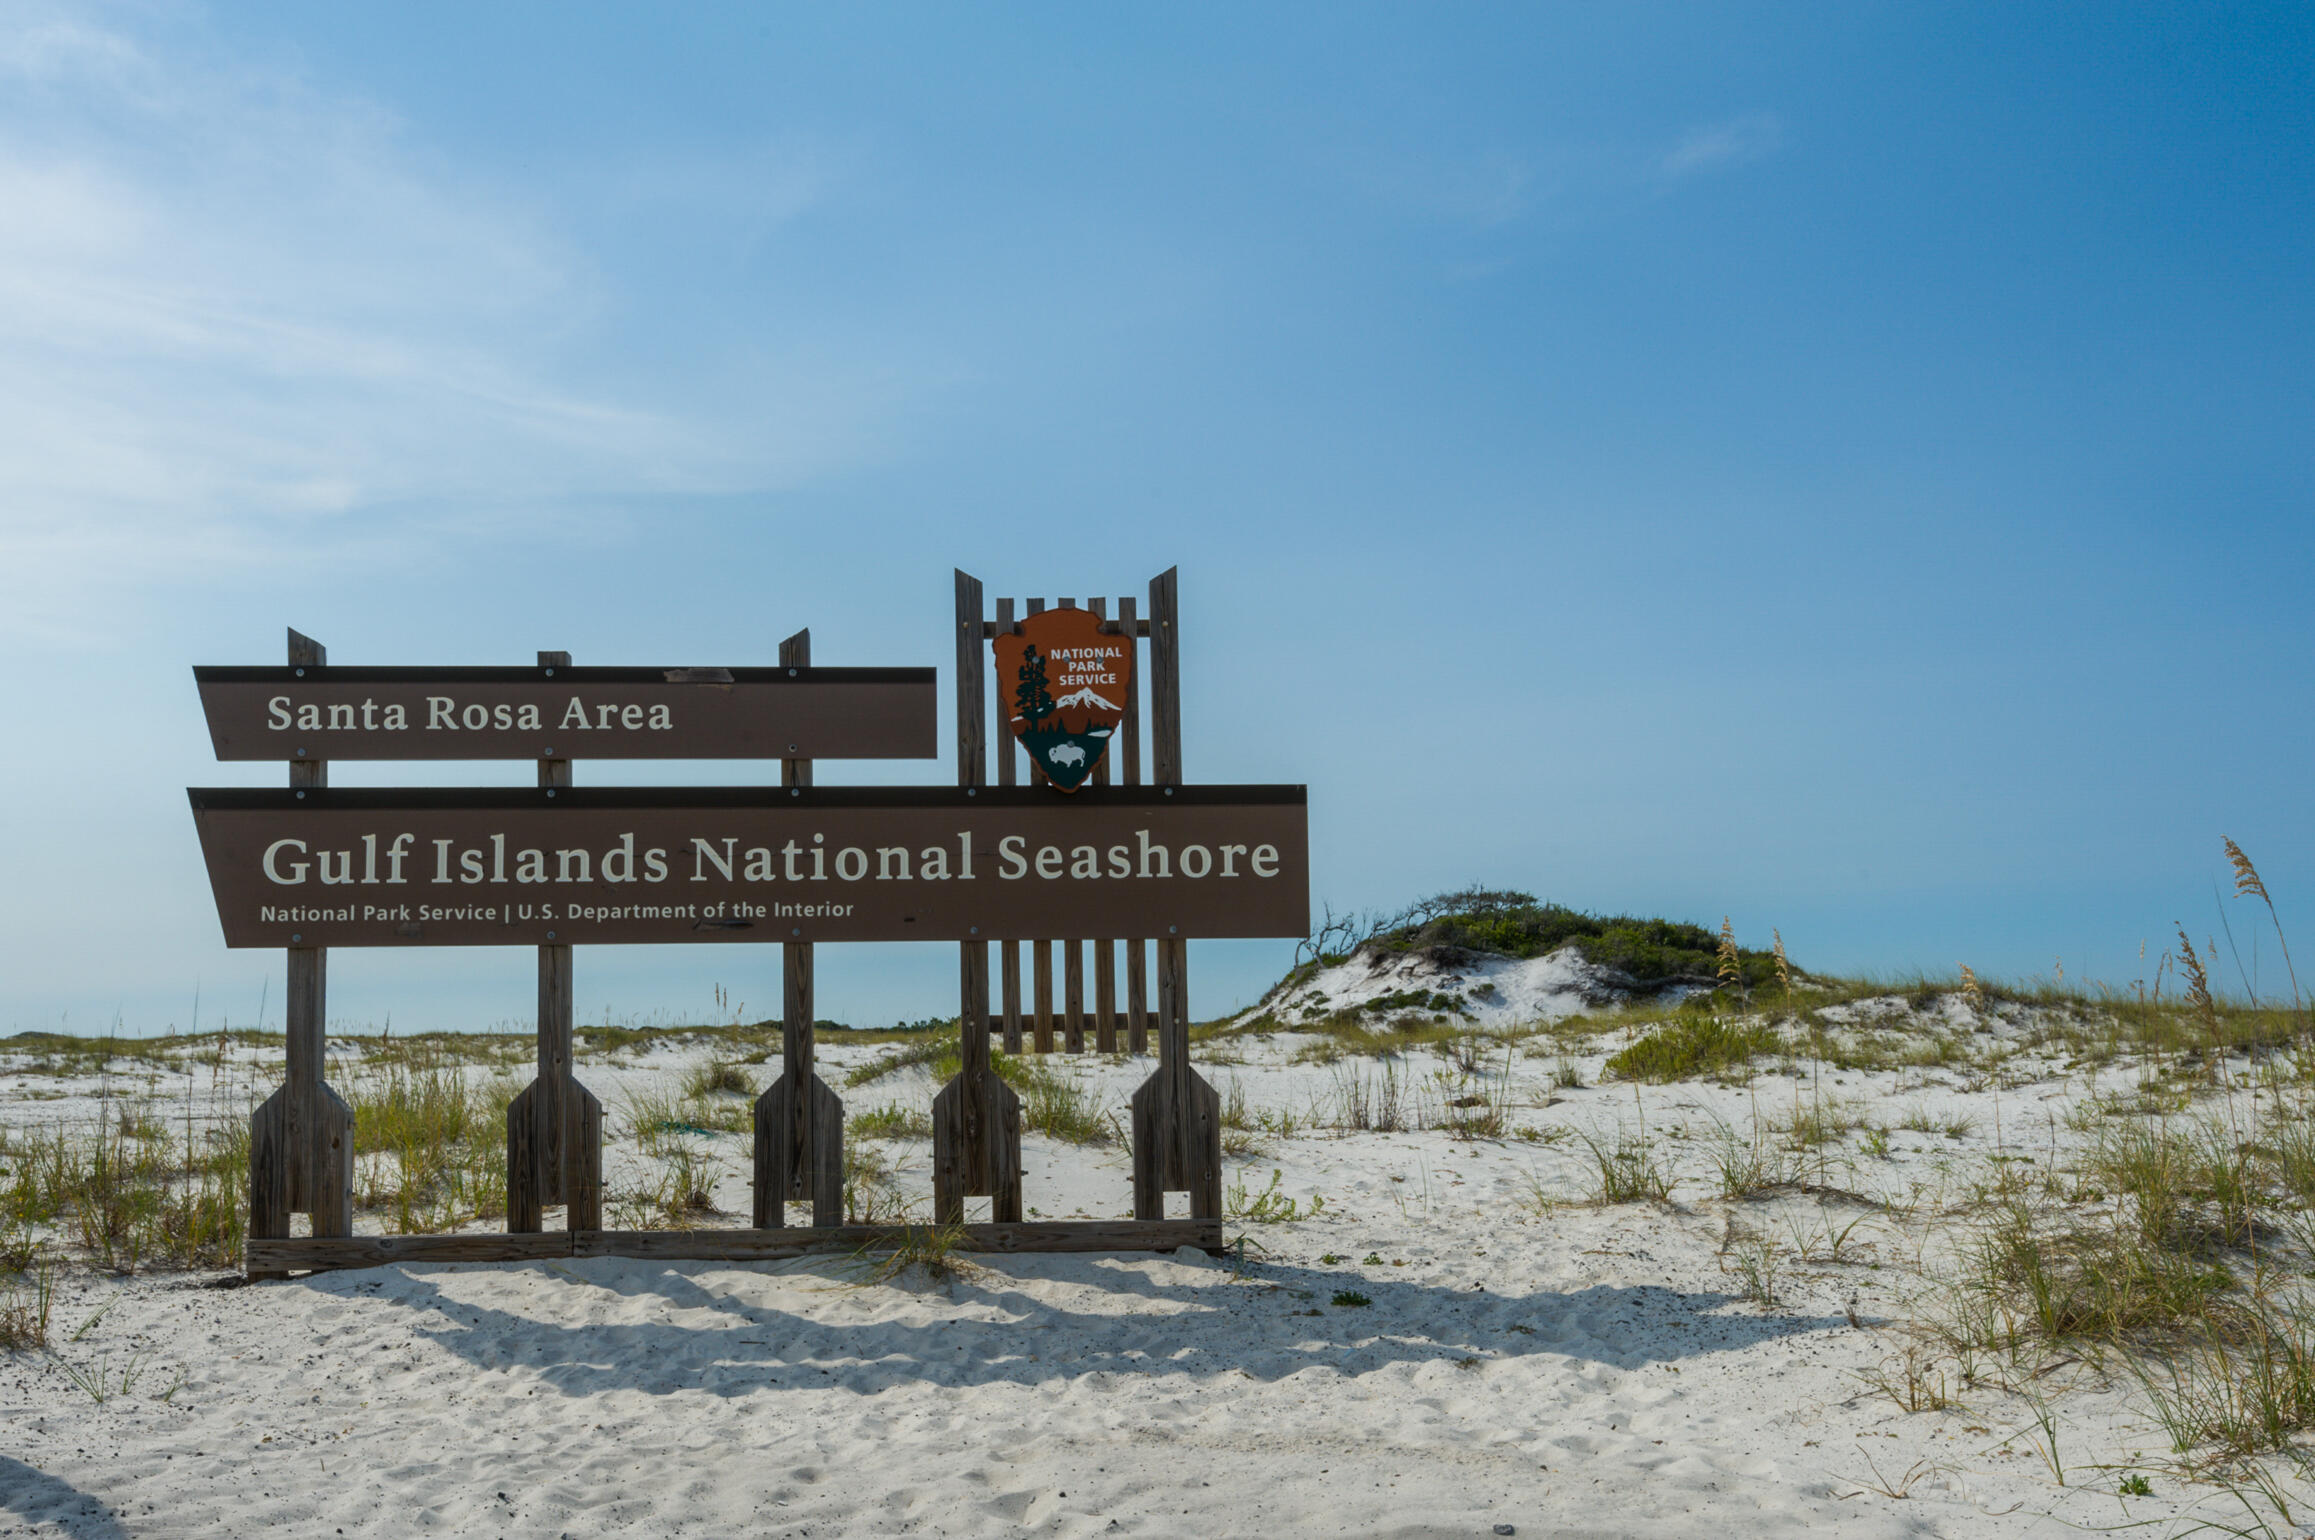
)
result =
(1724, 144)
(236, 309)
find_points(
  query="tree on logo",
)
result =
(1031, 700)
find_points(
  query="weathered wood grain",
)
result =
(1177, 1119)
(976, 1118)
(972, 693)
(554, 1138)
(275, 1257)
(1026, 1236)
(1073, 995)
(1041, 954)
(1105, 996)
(1136, 967)
(279, 1257)
(1008, 765)
(301, 1139)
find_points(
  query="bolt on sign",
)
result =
(527, 867)
(1063, 685)
(322, 713)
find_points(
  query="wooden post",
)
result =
(1136, 956)
(976, 1118)
(554, 1126)
(799, 1120)
(1008, 762)
(1177, 1116)
(301, 1140)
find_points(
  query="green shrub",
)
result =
(1686, 1049)
(1511, 924)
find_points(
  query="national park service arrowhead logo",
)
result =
(1063, 685)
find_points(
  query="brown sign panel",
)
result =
(526, 867)
(321, 712)
(1063, 683)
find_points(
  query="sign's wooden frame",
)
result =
(301, 1150)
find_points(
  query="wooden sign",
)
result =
(558, 866)
(1062, 683)
(323, 713)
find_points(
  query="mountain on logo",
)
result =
(1083, 700)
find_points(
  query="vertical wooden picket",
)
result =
(799, 1121)
(976, 1118)
(1008, 761)
(1136, 964)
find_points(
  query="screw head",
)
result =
(550, 791)
(301, 796)
(301, 673)
(975, 930)
(798, 931)
(301, 753)
(550, 673)
(294, 936)
(550, 935)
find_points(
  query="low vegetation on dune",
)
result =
(1637, 953)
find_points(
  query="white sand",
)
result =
(1570, 1371)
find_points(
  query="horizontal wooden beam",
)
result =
(990, 628)
(311, 1254)
(321, 1252)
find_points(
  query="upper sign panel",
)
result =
(318, 712)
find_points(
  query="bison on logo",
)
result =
(1063, 684)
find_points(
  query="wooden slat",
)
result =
(1137, 997)
(1129, 767)
(1165, 683)
(1105, 955)
(1008, 767)
(315, 1254)
(972, 695)
(1042, 954)
(1105, 996)
(1073, 995)
(1037, 775)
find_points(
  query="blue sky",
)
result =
(1842, 467)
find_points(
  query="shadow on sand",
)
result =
(39, 1498)
(738, 1328)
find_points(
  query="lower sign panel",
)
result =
(522, 867)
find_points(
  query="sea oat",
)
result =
(2247, 883)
